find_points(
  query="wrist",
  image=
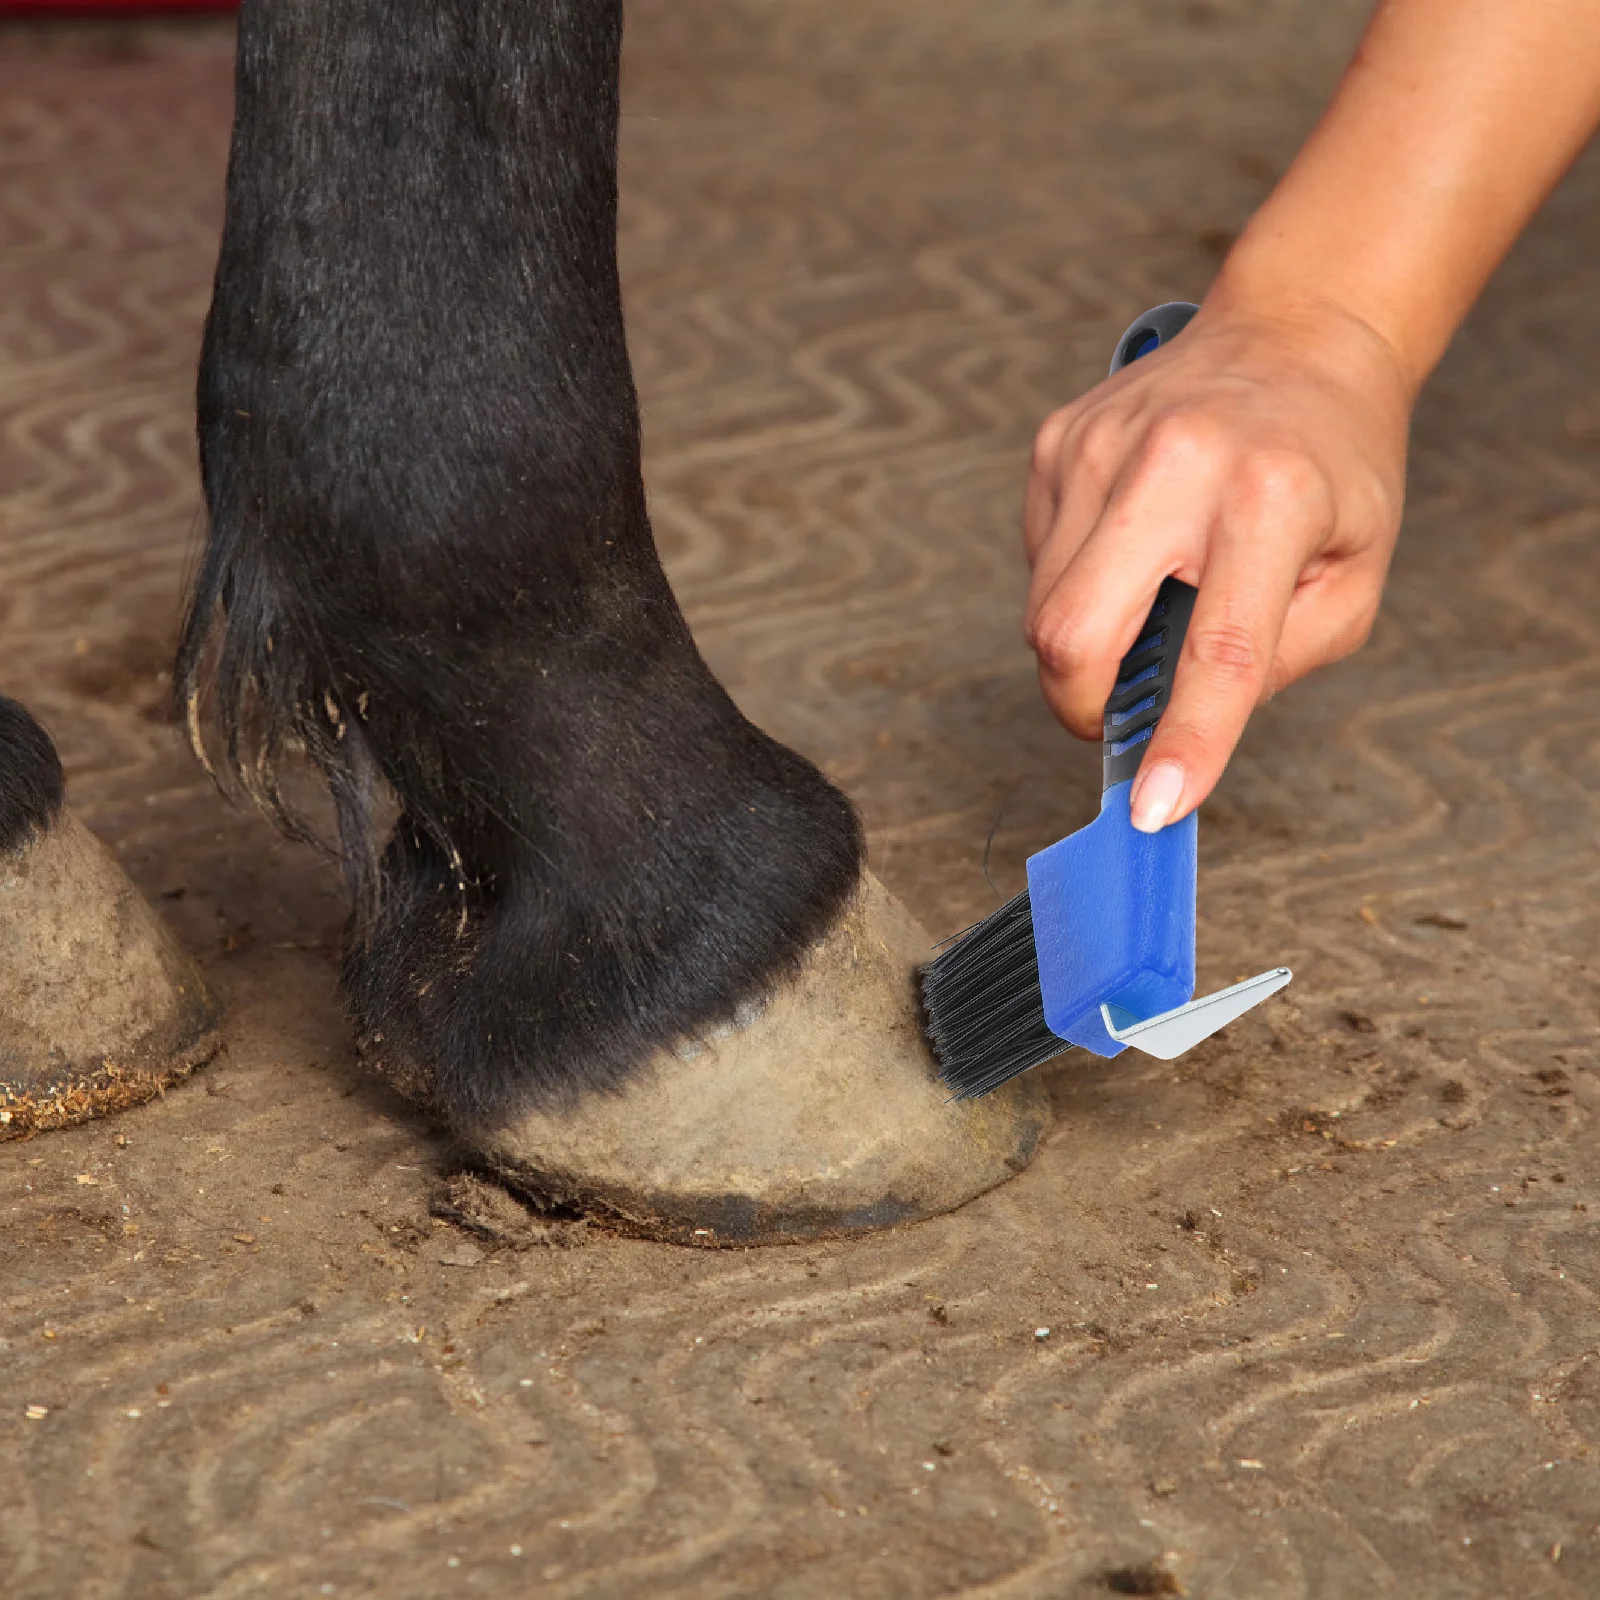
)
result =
(1325, 328)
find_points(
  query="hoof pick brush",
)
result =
(1098, 950)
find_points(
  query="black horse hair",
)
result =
(430, 567)
(31, 784)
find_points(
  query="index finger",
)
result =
(1252, 569)
(1154, 523)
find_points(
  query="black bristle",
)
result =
(984, 1011)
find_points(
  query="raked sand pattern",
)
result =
(1322, 1299)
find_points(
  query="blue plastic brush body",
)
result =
(1113, 921)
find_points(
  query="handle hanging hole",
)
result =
(1146, 340)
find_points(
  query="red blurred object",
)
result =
(110, 8)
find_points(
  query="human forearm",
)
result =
(1454, 121)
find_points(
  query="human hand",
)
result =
(1259, 456)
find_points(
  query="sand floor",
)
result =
(1323, 1298)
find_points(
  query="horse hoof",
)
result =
(99, 1008)
(820, 1114)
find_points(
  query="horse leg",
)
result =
(619, 939)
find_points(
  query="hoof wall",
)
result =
(822, 1114)
(99, 1008)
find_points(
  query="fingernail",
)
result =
(1156, 796)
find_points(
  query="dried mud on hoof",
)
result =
(99, 1008)
(821, 1115)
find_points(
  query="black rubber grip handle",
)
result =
(1144, 680)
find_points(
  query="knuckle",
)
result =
(1182, 438)
(1228, 650)
(1098, 444)
(1281, 478)
(1047, 442)
(1058, 644)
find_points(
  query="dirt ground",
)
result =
(1313, 1311)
